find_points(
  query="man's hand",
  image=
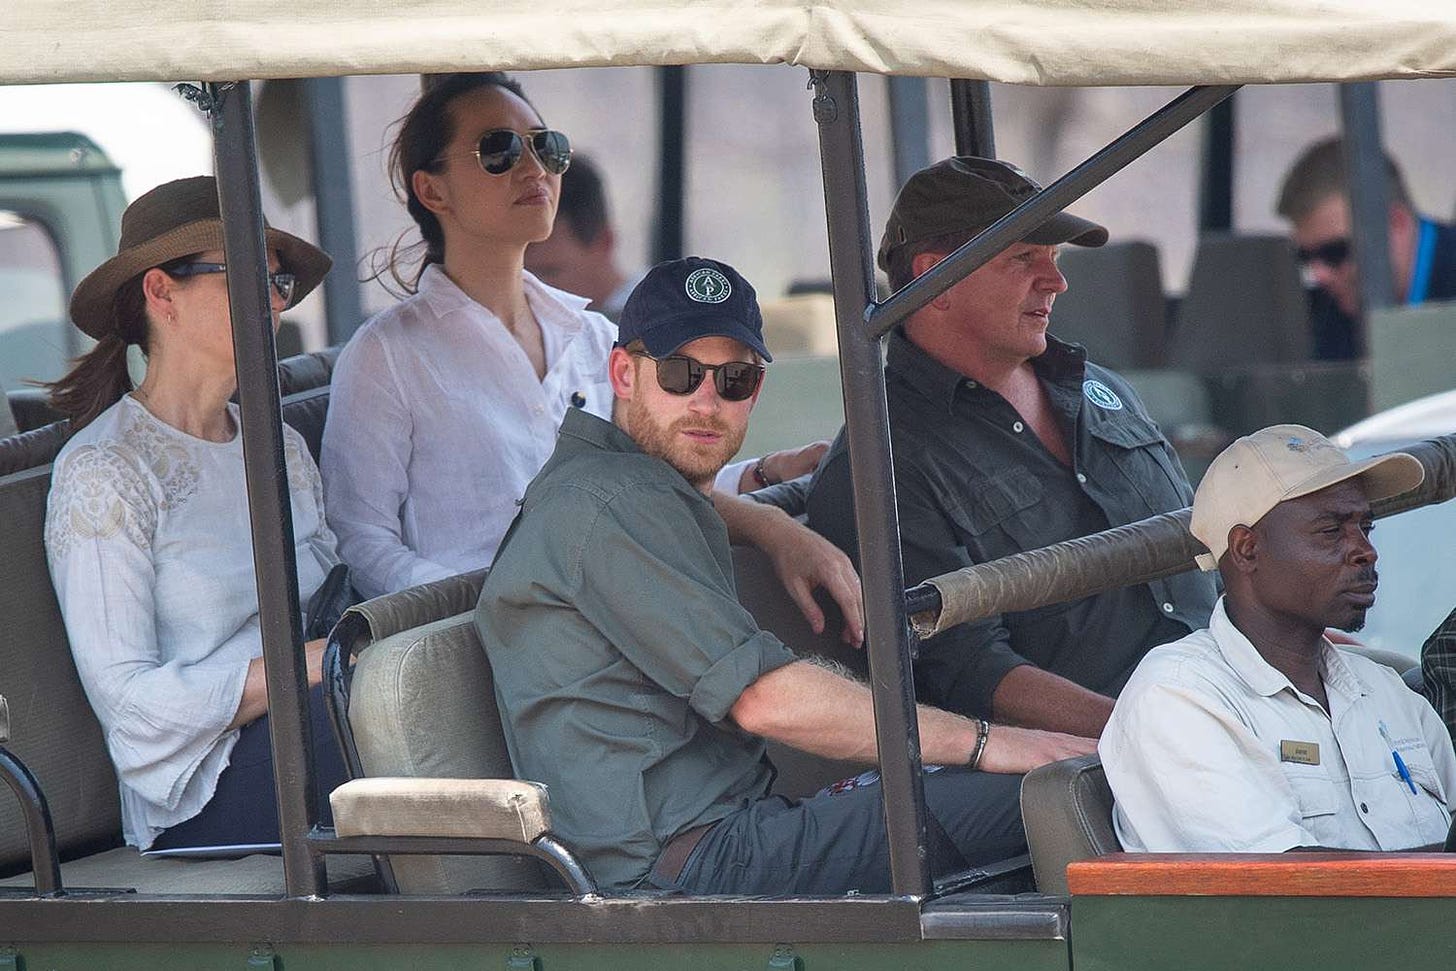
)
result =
(785, 465)
(803, 560)
(1023, 749)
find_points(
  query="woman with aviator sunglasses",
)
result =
(445, 406)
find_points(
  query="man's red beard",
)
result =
(698, 463)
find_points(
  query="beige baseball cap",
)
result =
(1259, 471)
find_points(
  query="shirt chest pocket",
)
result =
(994, 512)
(1137, 449)
(1316, 798)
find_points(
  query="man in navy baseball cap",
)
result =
(682, 300)
(614, 630)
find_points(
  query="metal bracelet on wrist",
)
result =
(760, 475)
(983, 732)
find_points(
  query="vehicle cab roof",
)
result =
(1044, 42)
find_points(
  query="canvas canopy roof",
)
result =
(1053, 42)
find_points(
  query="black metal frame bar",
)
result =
(280, 620)
(546, 848)
(45, 865)
(909, 126)
(1369, 194)
(672, 120)
(1042, 206)
(867, 427)
(970, 112)
(1216, 168)
(333, 193)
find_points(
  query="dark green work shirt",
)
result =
(618, 648)
(974, 484)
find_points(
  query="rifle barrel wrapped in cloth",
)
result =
(1139, 552)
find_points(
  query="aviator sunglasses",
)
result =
(735, 380)
(1332, 254)
(282, 281)
(501, 149)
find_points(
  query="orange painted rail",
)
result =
(1265, 875)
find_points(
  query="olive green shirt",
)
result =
(618, 648)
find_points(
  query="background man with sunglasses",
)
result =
(633, 683)
(1007, 439)
(1315, 200)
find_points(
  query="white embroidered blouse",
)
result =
(437, 423)
(150, 552)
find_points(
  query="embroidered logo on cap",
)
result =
(1101, 395)
(707, 286)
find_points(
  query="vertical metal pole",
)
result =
(1369, 196)
(235, 154)
(909, 127)
(1216, 182)
(333, 195)
(867, 426)
(672, 95)
(970, 112)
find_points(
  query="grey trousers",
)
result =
(835, 842)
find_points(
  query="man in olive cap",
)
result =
(1007, 439)
(1257, 734)
(633, 683)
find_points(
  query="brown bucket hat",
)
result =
(174, 220)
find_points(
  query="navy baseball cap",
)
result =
(682, 300)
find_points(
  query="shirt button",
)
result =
(1081, 478)
(1167, 608)
(1364, 808)
(1017, 427)
(538, 410)
(971, 384)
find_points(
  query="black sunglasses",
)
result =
(282, 282)
(1332, 254)
(735, 380)
(501, 149)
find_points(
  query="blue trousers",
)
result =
(835, 842)
(244, 808)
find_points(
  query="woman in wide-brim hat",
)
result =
(147, 532)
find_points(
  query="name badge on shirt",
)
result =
(1305, 753)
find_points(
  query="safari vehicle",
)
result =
(323, 907)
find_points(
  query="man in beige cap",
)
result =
(1257, 734)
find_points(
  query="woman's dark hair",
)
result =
(99, 378)
(424, 132)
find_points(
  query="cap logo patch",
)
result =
(1101, 395)
(1301, 445)
(707, 286)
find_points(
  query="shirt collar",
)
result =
(1059, 363)
(551, 306)
(1265, 679)
(583, 426)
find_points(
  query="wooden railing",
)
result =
(1315, 874)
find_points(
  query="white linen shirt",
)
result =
(1193, 753)
(437, 423)
(151, 555)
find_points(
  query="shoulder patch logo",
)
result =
(707, 286)
(1101, 395)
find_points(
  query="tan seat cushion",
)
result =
(423, 707)
(504, 809)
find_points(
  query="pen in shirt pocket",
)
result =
(1399, 762)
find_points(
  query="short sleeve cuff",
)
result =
(718, 689)
(972, 692)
